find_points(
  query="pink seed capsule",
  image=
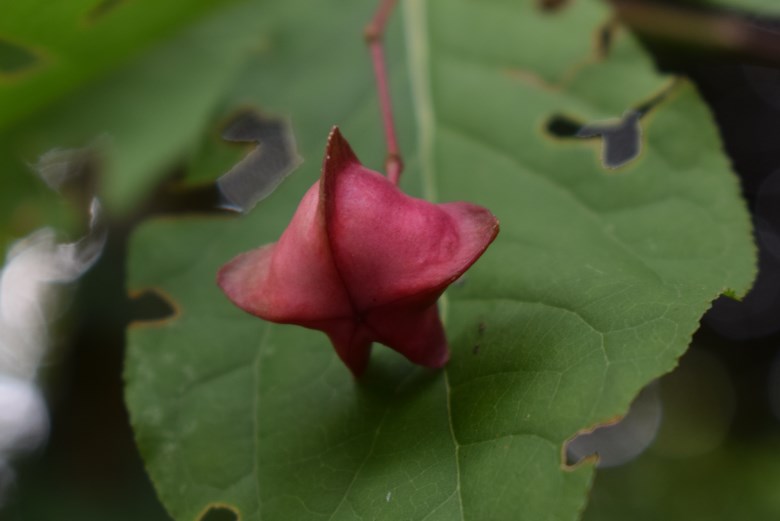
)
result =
(363, 262)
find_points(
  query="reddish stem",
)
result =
(374, 34)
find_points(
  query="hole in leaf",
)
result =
(622, 141)
(101, 9)
(257, 175)
(621, 138)
(562, 126)
(621, 440)
(151, 306)
(219, 513)
(15, 59)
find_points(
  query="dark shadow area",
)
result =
(15, 59)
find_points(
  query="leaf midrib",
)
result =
(415, 19)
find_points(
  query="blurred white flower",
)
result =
(35, 267)
(33, 274)
(23, 418)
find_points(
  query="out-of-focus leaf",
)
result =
(151, 112)
(591, 290)
(737, 481)
(49, 49)
(26, 204)
(693, 470)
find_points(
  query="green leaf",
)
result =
(48, 50)
(592, 289)
(27, 204)
(152, 111)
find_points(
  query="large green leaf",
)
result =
(592, 289)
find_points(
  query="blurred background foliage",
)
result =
(152, 76)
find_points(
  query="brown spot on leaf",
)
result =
(551, 6)
(606, 35)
